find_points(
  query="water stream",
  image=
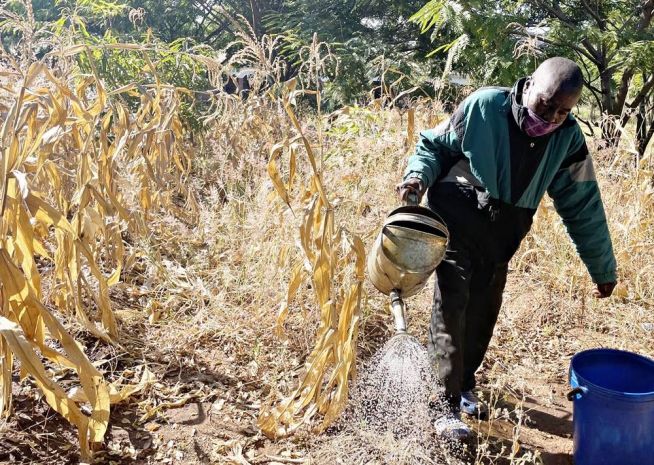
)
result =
(392, 408)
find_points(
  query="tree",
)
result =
(613, 40)
(371, 38)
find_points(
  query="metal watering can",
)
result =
(410, 246)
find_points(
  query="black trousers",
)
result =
(484, 235)
(467, 301)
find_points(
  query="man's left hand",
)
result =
(604, 290)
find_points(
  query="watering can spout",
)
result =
(398, 311)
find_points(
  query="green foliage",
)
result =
(612, 40)
(431, 15)
(359, 33)
(356, 32)
(101, 9)
(175, 64)
(389, 47)
(137, 58)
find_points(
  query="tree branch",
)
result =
(648, 136)
(629, 17)
(623, 90)
(614, 66)
(587, 123)
(642, 94)
(589, 84)
(591, 49)
(555, 11)
(583, 63)
(595, 92)
(219, 28)
(577, 49)
(646, 18)
(601, 23)
(208, 10)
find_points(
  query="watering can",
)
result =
(409, 247)
(412, 242)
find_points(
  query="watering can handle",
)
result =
(411, 199)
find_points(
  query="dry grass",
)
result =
(548, 314)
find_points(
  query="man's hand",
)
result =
(411, 185)
(604, 290)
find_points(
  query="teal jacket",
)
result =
(482, 144)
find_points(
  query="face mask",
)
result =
(535, 126)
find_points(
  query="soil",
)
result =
(224, 431)
(212, 417)
(547, 426)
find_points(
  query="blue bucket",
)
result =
(613, 408)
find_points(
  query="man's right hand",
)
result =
(411, 185)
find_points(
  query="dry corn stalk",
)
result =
(334, 261)
(67, 149)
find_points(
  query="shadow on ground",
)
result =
(545, 427)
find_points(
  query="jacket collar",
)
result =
(515, 96)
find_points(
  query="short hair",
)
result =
(562, 73)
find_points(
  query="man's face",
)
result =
(548, 101)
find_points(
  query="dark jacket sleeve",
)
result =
(577, 199)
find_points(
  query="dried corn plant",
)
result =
(317, 62)
(332, 260)
(79, 171)
(258, 56)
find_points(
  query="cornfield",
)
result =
(84, 167)
(70, 148)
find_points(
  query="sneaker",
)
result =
(451, 426)
(473, 406)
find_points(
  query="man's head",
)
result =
(553, 89)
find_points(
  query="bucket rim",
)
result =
(595, 388)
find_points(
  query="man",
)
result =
(485, 171)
